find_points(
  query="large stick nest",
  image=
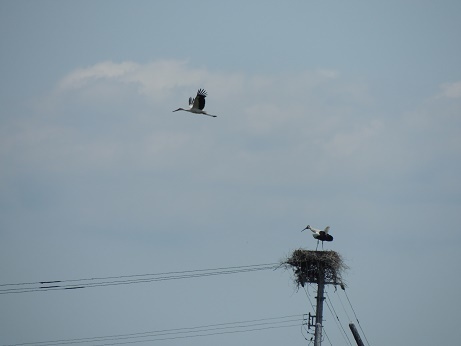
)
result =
(307, 265)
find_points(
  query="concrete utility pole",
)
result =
(356, 334)
(320, 268)
(319, 308)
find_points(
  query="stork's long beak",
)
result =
(304, 229)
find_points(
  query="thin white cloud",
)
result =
(269, 126)
(349, 144)
(291, 116)
(104, 70)
(450, 90)
(156, 77)
(150, 79)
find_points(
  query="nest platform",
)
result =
(308, 267)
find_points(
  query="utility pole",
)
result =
(320, 268)
(319, 308)
(356, 334)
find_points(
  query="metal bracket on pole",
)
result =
(311, 321)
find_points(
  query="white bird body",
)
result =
(197, 104)
(320, 235)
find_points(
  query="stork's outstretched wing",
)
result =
(199, 101)
(327, 229)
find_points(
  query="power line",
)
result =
(198, 335)
(72, 284)
(356, 316)
(307, 294)
(345, 311)
(141, 275)
(326, 335)
(179, 333)
(338, 322)
(312, 305)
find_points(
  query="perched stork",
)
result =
(320, 235)
(197, 104)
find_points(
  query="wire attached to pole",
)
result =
(360, 326)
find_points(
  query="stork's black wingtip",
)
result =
(202, 92)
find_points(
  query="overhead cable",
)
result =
(360, 326)
(73, 284)
(178, 333)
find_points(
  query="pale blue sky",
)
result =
(329, 113)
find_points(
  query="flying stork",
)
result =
(320, 235)
(197, 104)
